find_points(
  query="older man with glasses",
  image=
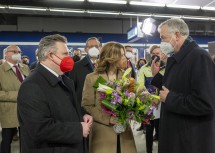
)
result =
(12, 73)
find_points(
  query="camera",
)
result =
(157, 58)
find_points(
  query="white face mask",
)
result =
(166, 48)
(93, 52)
(128, 55)
(16, 57)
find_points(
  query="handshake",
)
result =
(87, 124)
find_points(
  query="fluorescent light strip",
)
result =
(108, 1)
(27, 8)
(208, 8)
(2, 7)
(195, 18)
(165, 16)
(133, 14)
(64, 10)
(146, 4)
(183, 6)
(108, 13)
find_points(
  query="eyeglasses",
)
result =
(93, 46)
(15, 51)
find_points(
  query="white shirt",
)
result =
(50, 70)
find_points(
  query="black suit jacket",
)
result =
(78, 75)
(48, 114)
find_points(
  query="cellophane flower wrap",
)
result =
(126, 100)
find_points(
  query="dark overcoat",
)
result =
(79, 73)
(187, 123)
(48, 115)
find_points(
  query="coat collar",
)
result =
(51, 78)
(185, 49)
(86, 62)
(7, 67)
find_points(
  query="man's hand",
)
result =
(163, 94)
(86, 129)
(155, 67)
(88, 119)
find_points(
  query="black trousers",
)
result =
(149, 134)
(7, 137)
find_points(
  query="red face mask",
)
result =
(66, 64)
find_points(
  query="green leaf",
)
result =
(108, 105)
(100, 80)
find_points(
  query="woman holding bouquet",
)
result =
(103, 139)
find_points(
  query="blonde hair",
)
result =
(110, 55)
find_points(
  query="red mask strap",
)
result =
(57, 57)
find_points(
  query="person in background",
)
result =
(12, 74)
(77, 52)
(49, 116)
(145, 76)
(187, 92)
(34, 64)
(85, 66)
(25, 60)
(140, 63)
(129, 55)
(103, 138)
(77, 55)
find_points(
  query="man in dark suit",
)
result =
(49, 116)
(187, 118)
(85, 66)
(129, 55)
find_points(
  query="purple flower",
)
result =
(151, 110)
(127, 93)
(116, 98)
(102, 95)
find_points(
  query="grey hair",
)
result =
(48, 44)
(176, 25)
(91, 38)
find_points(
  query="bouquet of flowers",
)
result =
(126, 100)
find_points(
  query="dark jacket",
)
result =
(79, 73)
(133, 73)
(48, 114)
(187, 123)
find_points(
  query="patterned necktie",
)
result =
(18, 73)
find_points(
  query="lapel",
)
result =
(87, 63)
(23, 70)
(170, 62)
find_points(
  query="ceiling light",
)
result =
(27, 8)
(183, 6)
(108, 1)
(148, 26)
(195, 18)
(208, 8)
(2, 6)
(65, 10)
(108, 13)
(146, 4)
(165, 16)
(135, 14)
